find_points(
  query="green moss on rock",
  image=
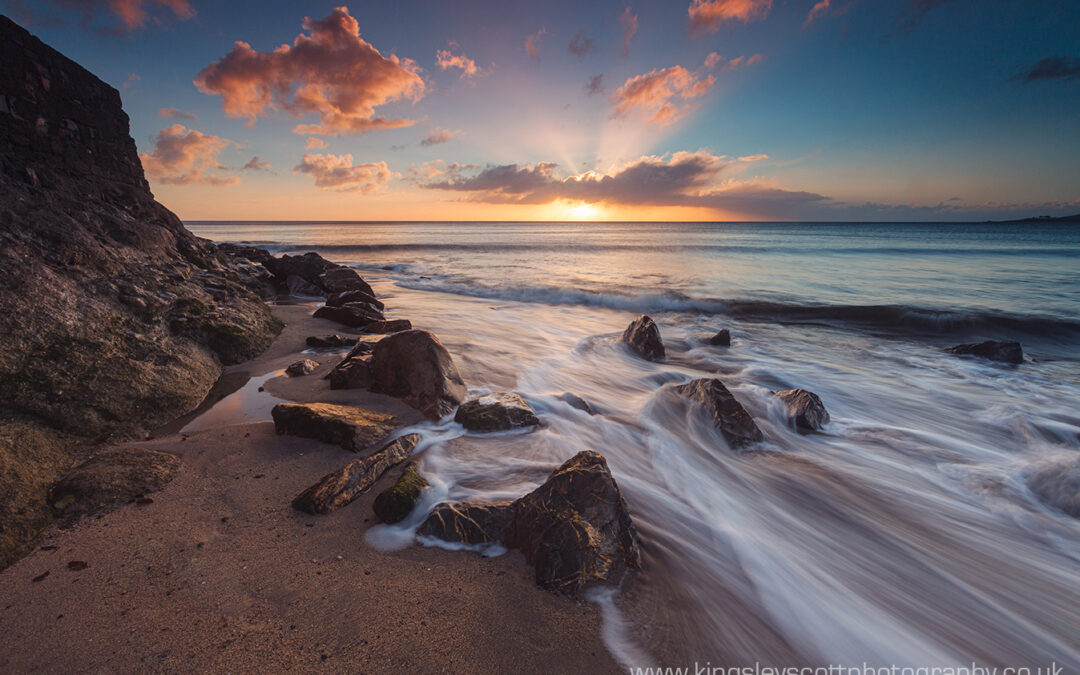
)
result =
(396, 502)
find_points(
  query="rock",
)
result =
(342, 486)
(805, 408)
(727, 413)
(302, 367)
(1057, 483)
(496, 412)
(352, 428)
(389, 326)
(574, 529)
(309, 266)
(721, 339)
(395, 503)
(575, 401)
(344, 297)
(297, 285)
(341, 279)
(1005, 352)
(354, 314)
(353, 373)
(644, 338)
(112, 477)
(415, 367)
(330, 341)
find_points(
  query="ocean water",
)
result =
(907, 533)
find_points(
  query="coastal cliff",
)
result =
(115, 319)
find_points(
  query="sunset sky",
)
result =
(702, 110)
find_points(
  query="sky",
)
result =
(807, 110)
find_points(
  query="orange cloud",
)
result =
(662, 94)
(132, 13)
(437, 136)
(706, 16)
(532, 43)
(339, 173)
(717, 62)
(629, 22)
(183, 156)
(331, 72)
(314, 143)
(174, 114)
(445, 59)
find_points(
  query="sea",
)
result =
(925, 526)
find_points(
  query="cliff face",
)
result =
(113, 317)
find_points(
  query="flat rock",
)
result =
(112, 477)
(994, 350)
(301, 367)
(499, 411)
(354, 314)
(352, 428)
(727, 413)
(721, 339)
(388, 326)
(643, 337)
(330, 341)
(415, 367)
(395, 503)
(343, 485)
(805, 409)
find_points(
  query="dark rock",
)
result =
(341, 279)
(302, 367)
(352, 373)
(496, 412)
(395, 503)
(1005, 352)
(330, 341)
(350, 427)
(415, 367)
(344, 297)
(354, 314)
(574, 529)
(112, 477)
(309, 266)
(644, 338)
(1057, 483)
(388, 326)
(342, 486)
(727, 413)
(297, 285)
(805, 408)
(575, 401)
(721, 339)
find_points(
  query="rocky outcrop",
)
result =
(730, 417)
(574, 529)
(330, 341)
(499, 411)
(415, 367)
(643, 337)
(353, 428)
(112, 477)
(342, 486)
(395, 503)
(804, 408)
(721, 339)
(993, 350)
(1057, 484)
(301, 368)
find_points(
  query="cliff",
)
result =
(113, 317)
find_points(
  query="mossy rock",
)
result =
(395, 503)
(110, 478)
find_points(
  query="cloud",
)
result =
(254, 164)
(595, 85)
(532, 43)
(183, 156)
(580, 45)
(314, 143)
(754, 158)
(1053, 68)
(706, 16)
(174, 114)
(716, 62)
(131, 13)
(331, 72)
(337, 172)
(664, 95)
(445, 59)
(437, 136)
(130, 81)
(917, 10)
(629, 23)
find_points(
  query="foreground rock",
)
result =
(415, 367)
(1057, 484)
(1004, 352)
(354, 429)
(721, 339)
(301, 368)
(574, 529)
(500, 411)
(342, 486)
(354, 371)
(330, 341)
(805, 409)
(644, 338)
(395, 503)
(353, 314)
(112, 477)
(727, 413)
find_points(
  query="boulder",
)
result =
(643, 337)
(496, 412)
(994, 350)
(352, 428)
(344, 297)
(343, 485)
(574, 529)
(301, 367)
(330, 341)
(112, 477)
(354, 314)
(721, 339)
(353, 373)
(388, 326)
(341, 279)
(415, 367)
(727, 413)
(1057, 484)
(805, 409)
(309, 266)
(297, 285)
(395, 503)
(575, 401)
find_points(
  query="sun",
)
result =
(579, 211)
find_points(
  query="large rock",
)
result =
(344, 297)
(354, 314)
(297, 285)
(574, 529)
(415, 367)
(726, 412)
(343, 485)
(388, 326)
(643, 337)
(112, 477)
(721, 339)
(301, 368)
(309, 267)
(353, 373)
(395, 503)
(496, 412)
(342, 279)
(1057, 483)
(805, 409)
(1005, 352)
(352, 428)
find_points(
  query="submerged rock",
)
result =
(112, 477)
(575, 401)
(644, 338)
(345, 297)
(354, 314)
(496, 412)
(328, 341)
(727, 413)
(721, 339)
(1058, 485)
(395, 503)
(388, 326)
(302, 367)
(415, 367)
(574, 529)
(352, 428)
(343, 485)
(805, 408)
(994, 350)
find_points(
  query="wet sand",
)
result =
(220, 574)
